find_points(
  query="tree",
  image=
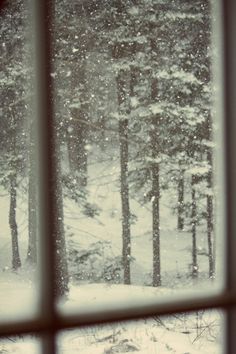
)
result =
(210, 216)
(154, 135)
(194, 224)
(180, 224)
(124, 187)
(32, 200)
(61, 270)
(16, 262)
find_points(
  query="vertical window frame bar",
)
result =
(42, 16)
(229, 75)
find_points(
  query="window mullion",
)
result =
(229, 11)
(45, 157)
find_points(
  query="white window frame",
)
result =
(48, 321)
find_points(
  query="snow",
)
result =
(168, 15)
(18, 295)
(19, 345)
(156, 108)
(134, 102)
(146, 337)
(134, 10)
(198, 170)
(182, 334)
(183, 76)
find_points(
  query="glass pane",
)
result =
(18, 294)
(19, 345)
(139, 167)
(199, 332)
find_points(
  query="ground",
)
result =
(195, 333)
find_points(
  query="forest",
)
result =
(135, 163)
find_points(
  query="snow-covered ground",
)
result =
(155, 336)
(195, 333)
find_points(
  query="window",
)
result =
(50, 321)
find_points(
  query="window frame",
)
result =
(48, 322)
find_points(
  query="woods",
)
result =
(132, 80)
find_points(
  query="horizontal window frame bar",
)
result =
(84, 317)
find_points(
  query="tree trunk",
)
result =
(16, 262)
(210, 229)
(123, 128)
(124, 187)
(62, 278)
(77, 132)
(32, 202)
(77, 140)
(82, 151)
(181, 201)
(194, 225)
(156, 225)
(155, 194)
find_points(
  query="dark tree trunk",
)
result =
(123, 128)
(194, 226)
(62, 278)
(124, 187)
(16, 262)
(77, 140)
(32, 224)
(155, 194)
(156, 225)
(32, 202)
(210, 229)
(77, 132)
(181, 201)
(82, 151)
(102, 125)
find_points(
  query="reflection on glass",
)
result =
(199, 332)
(135, 121)
(19, 345)
(17, 182)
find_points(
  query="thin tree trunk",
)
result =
(156, 225)
(181, 201)
(62, 278)
(194, 225)
(124, 187)
(209, 201)
(123, 128)
(16, 262)
(155, 194)
(59, 243)
(210, 236)
(82, 152)
(77, 132)
(32, 202)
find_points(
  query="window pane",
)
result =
(199, 332)
(17, 173)
(136, 123)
